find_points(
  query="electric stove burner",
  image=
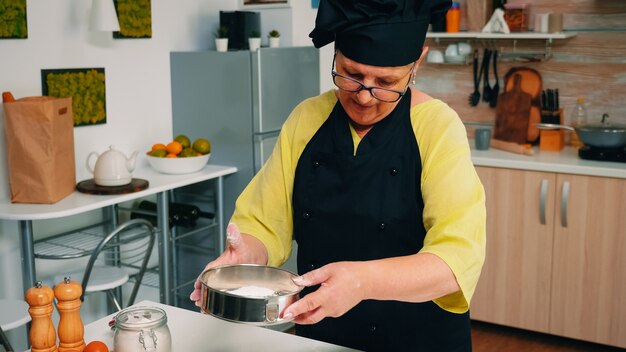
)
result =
(602, 154)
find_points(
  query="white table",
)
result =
(193, 331)
(77, 203)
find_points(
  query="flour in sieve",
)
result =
(252, 291)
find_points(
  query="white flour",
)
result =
(252, 291)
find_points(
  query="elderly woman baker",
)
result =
(375, 183)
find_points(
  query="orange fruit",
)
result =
(202, 145)
(96, 346)
(159, 153)
(158, 146)
(171, 155)
(174, 148)
(183, 140)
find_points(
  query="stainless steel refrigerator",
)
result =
(239, 101)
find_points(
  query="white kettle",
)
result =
(112, 168)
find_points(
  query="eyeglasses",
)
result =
(352, 85)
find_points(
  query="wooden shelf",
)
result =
(511, 36)
(515, 54)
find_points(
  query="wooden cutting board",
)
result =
(532, 83)
(513, 113)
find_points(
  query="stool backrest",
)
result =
(129, 246)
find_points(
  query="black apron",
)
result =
(368, 206)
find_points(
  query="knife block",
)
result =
(552, 140)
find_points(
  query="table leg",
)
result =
(28, 254)
(164, 243)
(220, 214)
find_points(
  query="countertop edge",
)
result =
(566, 162)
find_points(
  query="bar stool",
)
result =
(14, 314)
(121, 256)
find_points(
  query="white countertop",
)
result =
(193, 331)
(78, 202)
(565, 161)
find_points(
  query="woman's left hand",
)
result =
(342, 288)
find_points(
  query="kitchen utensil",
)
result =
(70, 329)
(474, 97)
(524, 149)
(495, 90)
(246, 293)
(112, 168)
(512, 114)
(178, 166)
(139, 329)
(531, 84)
(602, 135)
(486, 87)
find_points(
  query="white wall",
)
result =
(137, 78)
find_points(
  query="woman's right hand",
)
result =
(240, 249)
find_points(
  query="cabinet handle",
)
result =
(564, 200)
(543, 194)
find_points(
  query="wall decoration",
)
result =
(13, 19)
(86, 86)
(263, 4)
(135, 17)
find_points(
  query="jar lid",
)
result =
(140, 318)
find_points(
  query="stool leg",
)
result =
(4, 340)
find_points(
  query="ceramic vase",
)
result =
(254, 43)
(221, 44)
(274, 42)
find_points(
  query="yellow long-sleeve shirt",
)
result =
(454, 201)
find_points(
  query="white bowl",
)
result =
(456, 59)
(177, 166)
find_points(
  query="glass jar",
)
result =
(139, 329)
(516, 16)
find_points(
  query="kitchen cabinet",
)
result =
(556, 254)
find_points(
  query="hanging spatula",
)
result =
(495, 90)
(486, 87)
(474, 97)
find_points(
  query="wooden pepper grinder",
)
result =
(71, 330)
(43, 337)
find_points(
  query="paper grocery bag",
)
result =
(40, 149)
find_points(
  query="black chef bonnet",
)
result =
(377, 32)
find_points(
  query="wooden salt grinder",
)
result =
(43, 337)
(71, 330)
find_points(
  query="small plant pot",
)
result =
(254, 43)
(274, 42)
(221, 44)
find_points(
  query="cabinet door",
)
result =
(514, 287)
(589, 281)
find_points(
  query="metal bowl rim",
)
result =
(244, 297)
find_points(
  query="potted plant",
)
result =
(221, 39)
(254, 41)
(274, 36)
